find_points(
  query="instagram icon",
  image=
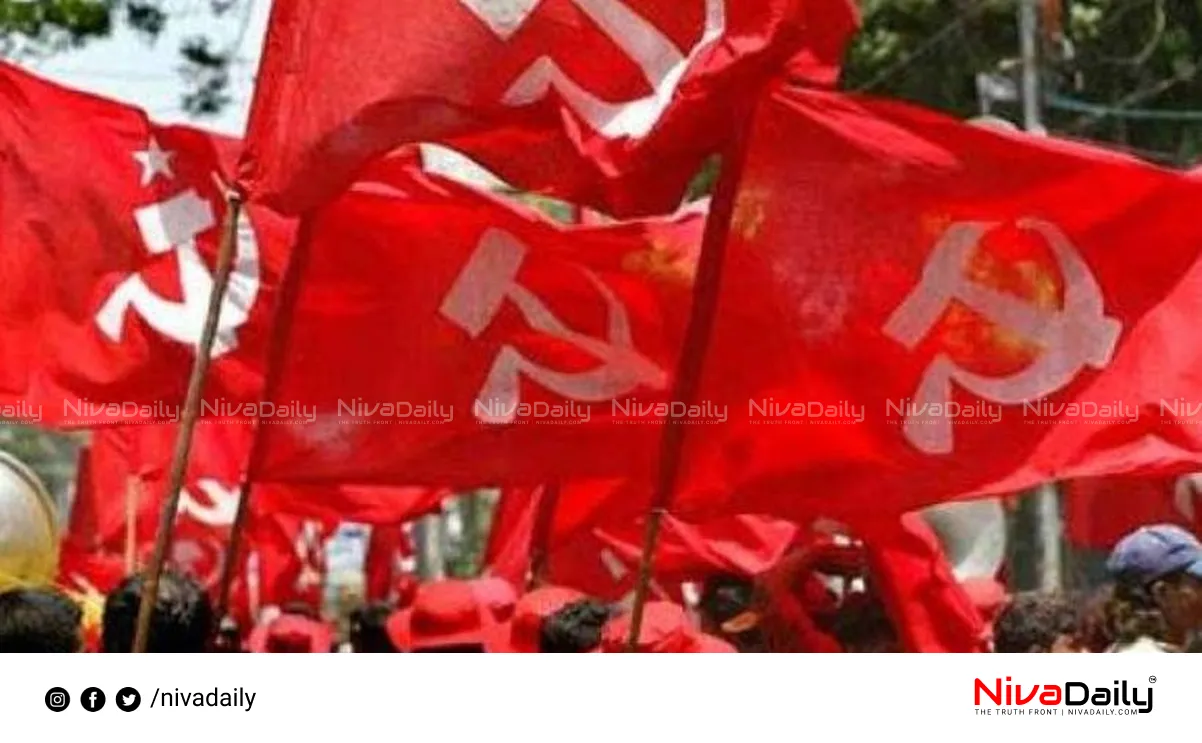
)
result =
(57, 699)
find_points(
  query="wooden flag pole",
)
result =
(229, 563)
(183, 442)
(281, 333)
(692, 358)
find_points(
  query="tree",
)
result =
(30, 29)
(1119, 71)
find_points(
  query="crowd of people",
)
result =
(1152, 604)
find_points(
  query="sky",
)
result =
(128, 68)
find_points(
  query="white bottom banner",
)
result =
(585, 698)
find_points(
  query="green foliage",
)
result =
(1129, 58)
(30, 29)
(41, 26)
(929, 51)
(465, 551)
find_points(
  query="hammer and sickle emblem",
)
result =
(663, 64)
(1077, 336)
(175, 225)
(218, 508)
(488, 279)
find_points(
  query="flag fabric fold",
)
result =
(444, 338)
(613, 104)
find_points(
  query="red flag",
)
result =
(575, 555)
(741, 545)
(1099, 512)
(612, 103)
(511, 535)
(89, 572)
(287, 560)
(496, 348)
(98, 509)
(130, 463)
(931, 610)
(911, 306)
(109, 228)
(386, 548)
(604, 561)
(594, 543)
(358, 504)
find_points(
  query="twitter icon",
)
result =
(128, 699)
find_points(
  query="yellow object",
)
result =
(28, 534)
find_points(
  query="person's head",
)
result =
(180, 623)
(1158, 585)
(531, 610)
(1094, 633)
(727, 608)
(369, 629)
(723, 597)
(34, 620)
(1035, 623)
(575, 628)
(862, 625)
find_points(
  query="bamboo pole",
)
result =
(183, 442)
(692, 358)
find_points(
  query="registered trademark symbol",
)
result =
(1151, 679)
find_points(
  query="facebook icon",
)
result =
(92, 699)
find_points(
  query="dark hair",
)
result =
(1132, 611)
(862, 624)
(1094, 634)
(725, 596)
(368, 629)
(38, 620)
(180, 623)
(1033, 622)
(575, 627)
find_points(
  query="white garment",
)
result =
(1142, 645)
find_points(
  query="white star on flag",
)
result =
(155, 161)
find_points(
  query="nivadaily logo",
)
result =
(1071, 698)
